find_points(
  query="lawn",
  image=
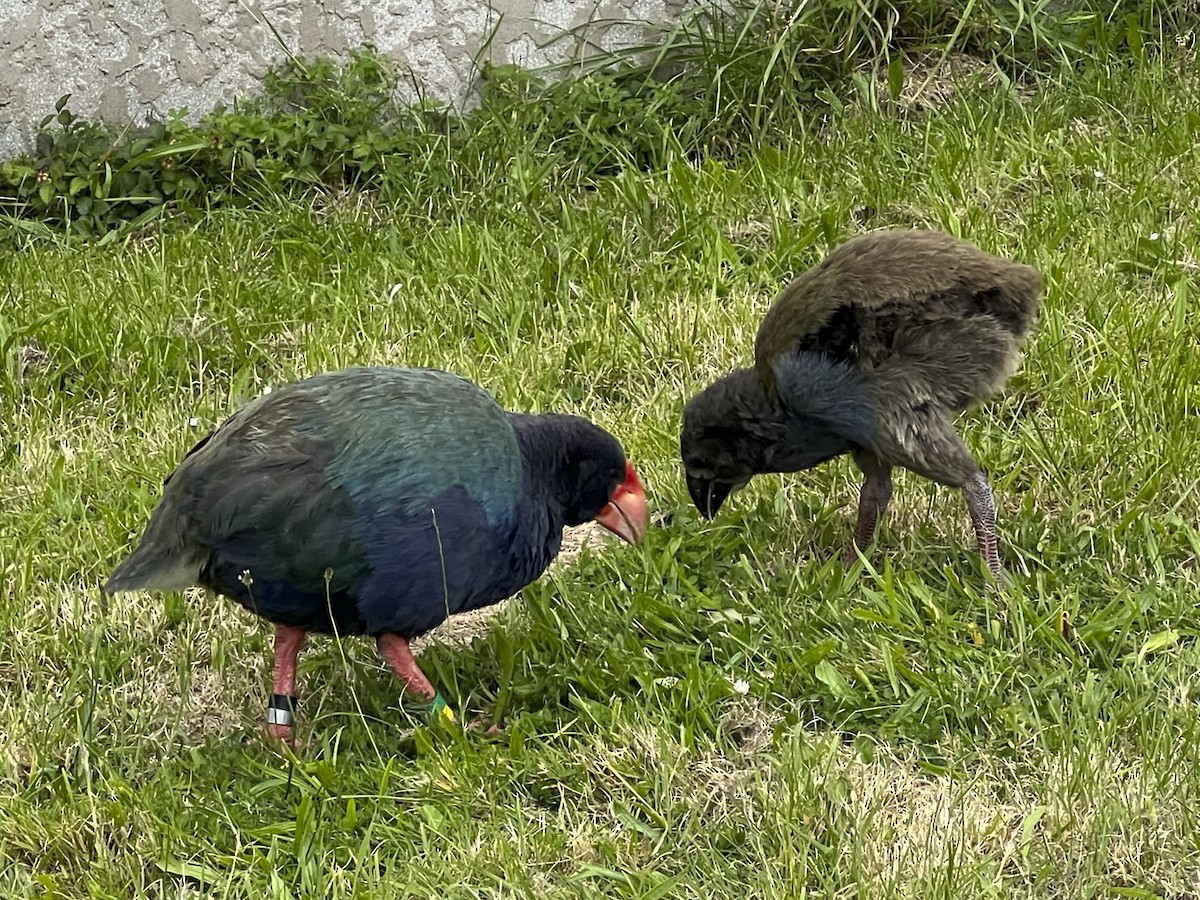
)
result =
(725, 711)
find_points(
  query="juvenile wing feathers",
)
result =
(861, 303)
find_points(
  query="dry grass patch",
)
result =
(933, 80)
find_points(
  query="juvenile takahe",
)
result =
(872, 352)
(377, 501)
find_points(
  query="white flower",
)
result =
(741, 687)
(193, 422)
(267, 389)
(1098, 174)
(1154, 235)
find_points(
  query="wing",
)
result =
(300, 466)
(413, 434)
(852, 305)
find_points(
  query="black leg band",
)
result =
(282, 710)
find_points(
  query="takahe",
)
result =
(873, 351)
(377, 501)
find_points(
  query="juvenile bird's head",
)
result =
(738, 428)
(727, 429)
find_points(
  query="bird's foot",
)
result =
(431, 711)
(282, 734)
(998, 582)
(489, 730)
(438, 710)
(849, 555)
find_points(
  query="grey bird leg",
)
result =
(925, 442)
(982, 508)
(873, 498)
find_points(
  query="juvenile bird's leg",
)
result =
(873, 499)
(982, 507)
(937, 452)
(394, 649)
(281, 711)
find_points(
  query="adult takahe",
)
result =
(872, 352)
(377, 501)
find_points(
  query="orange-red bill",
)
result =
(626, 514)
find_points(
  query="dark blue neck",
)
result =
(539, 520)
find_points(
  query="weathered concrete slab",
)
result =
(122, 59)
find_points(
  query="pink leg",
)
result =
(394, 649)
(280, 713)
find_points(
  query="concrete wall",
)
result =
(122, 59)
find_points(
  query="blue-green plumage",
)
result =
(372, 500)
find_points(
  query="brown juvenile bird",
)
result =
(873, 351)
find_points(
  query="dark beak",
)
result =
(708, 495)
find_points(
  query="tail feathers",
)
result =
(151, 568)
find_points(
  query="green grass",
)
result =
(907, 732)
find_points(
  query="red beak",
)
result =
(626, 515)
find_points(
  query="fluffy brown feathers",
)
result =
(873, 351)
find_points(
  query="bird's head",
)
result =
(592, 478)
(737, 427)
(727, 430)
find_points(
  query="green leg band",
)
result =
(439, 707)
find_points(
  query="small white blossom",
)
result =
(267, 389)
(741, 687)
(193, 422)
(1098, 174)
(1154, 235)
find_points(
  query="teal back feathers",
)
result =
(406, 446)
(377, 432)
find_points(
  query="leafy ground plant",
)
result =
(727, 77)
(725, 712)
